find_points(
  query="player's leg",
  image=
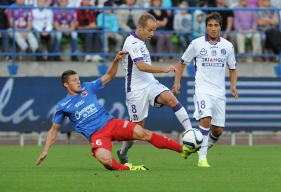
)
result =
(161, 95)
(137, 106)
(101, 150)
(218, 121)
(125, 130)
(203, 113)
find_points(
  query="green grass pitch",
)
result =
(72, 168)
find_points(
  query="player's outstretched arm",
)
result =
(111, 72)
(52, 134)
(233, 80)
(153, 69)
(177, 86)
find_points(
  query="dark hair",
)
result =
(107, 4)
(65, 75)
(144, 17)
(214, 16)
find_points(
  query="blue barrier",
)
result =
(13, 67)
(28, 104)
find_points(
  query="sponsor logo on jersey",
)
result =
(212, 64)
(135, 50)
(69, 105)
(203, 51)
(86, 112)
(134, 42)
(125, 124)
(79, 103)
(65, 103)
(84, 93)
(207, 59)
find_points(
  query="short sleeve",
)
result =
(135, 51)
(59, 116)
(189, 54)
(10, 13)
(231, 62)
(96, 85)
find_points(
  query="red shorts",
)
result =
(115, 129)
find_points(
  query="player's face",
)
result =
(213, 29)
(73, 85)
(147, 32)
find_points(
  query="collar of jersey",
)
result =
(207, 39)
(135, 35)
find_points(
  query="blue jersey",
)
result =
(83, 110)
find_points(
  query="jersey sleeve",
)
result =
(134, 52)
(189, 54)
(59, 116)
(96, 85)
(231, 62)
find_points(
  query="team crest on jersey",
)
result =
(214, 52)
(203, 51)
(223, 51)
(84, 93)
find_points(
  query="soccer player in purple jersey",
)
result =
(142, 89)
(91, 119)
(211, 54)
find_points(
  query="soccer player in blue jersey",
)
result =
(211, 54)
(142, 89)
(91, 119)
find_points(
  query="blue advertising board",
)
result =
(28, 104)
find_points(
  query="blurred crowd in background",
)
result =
(39, 29)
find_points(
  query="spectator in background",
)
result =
(182, 23)
(21, 19)
(267, 20)
(245, 23)
(43, 23)
(4, 26)
(198, 24)
(128, 18)
(111, 27)
(227, 21)
(162, 39)
(253, 3)
(64, 22)
(87, 21)
(276, 4)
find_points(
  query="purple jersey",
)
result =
(65, 19)
(21, 16)
(83, 110)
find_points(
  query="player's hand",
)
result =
(176, 88)
(171, 68)
(120, 54)
(234, 91)
(41, 158)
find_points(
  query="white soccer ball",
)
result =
(192, 138)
